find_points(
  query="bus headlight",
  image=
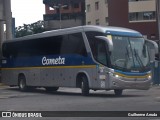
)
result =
(149, 77)
(117, 76)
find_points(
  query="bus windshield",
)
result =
(129, 53)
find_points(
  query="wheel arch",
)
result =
(21, 75)
(79, 80)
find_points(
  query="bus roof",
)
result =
(108, 30)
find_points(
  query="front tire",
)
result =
(85, 86)
(22, 84)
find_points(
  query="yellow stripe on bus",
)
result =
(127, 76)
(49, 67)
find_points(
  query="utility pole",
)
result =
(8, 18)
(158, 24)
(158, 16)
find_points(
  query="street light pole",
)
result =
(60, 14)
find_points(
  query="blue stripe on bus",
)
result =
(129, 34)
(36, 61)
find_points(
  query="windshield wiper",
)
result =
(128, 57)
(138, 58)
(127, 53)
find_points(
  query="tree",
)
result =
(29, 29)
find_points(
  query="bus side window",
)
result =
(52, 45)
(98, 47)
(73, 44)
(5, 51)
(101, 52)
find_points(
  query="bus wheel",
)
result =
(22, 83)
(49, 89)
(118, 92)
(84, 86)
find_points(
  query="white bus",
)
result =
(86, 57)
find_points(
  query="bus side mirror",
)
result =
(109, 42)
(153, 49)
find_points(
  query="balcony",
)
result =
(56, 2)
(64, 16)
(141, 6)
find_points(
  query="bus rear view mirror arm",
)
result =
(109, 42)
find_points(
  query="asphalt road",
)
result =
(11, 99)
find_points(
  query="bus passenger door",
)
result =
(102, 58)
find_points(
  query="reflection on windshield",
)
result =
(129, 53)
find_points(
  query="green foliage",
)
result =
(29, 29)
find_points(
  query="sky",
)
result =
(27, 11)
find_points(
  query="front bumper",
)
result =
(118, 83)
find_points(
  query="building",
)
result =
(64, 13)
(139, 15)
(5, 20)
(97, 12)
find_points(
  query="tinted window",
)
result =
(98, 47)
(74, 45)
(66, 44)
(92, 40)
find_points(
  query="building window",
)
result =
(76, 5)
(89, 23)
(97, 21)
(66, 7)
(96, 5)
(106, 1)
(106, 19)
(153, 36)
(88, 8)
(137, 0)
(140, 16)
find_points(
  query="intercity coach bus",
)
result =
(86, 57)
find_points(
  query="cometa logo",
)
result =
(53, 61)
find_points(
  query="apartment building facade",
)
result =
(97, 12)
(64, 13)
(5, 20)
(135, 14)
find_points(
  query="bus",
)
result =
(85, 57)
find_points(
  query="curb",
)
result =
(2, 85)
(157, 99)
(155, 86)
